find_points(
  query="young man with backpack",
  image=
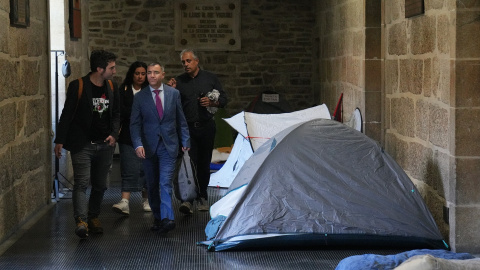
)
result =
(88, 128)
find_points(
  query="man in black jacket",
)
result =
(88, 128)
(202, 94)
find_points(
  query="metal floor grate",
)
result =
(128, 243)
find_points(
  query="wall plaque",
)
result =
(20, 13)
(207, 25)
(271, 98)
(414, 8)
(75, 19)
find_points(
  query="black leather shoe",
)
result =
(167, 225)
(157, 225)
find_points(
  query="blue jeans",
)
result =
(159, 171)
(90, 165)
(131, 168)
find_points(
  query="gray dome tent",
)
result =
(321, 183)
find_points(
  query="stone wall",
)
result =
(419, 121)
(427, 92)
(276, 53)
(351, 60)
(25, 169)
(465, 197)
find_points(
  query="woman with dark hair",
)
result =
(130, 165)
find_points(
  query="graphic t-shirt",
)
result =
(100, 128)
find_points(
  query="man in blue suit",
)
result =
(157, 125)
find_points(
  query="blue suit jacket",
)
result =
(146, 127)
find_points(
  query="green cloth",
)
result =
(224, 136)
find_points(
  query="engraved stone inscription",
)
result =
(22, 12)
(207, 25)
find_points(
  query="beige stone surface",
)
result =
(390, 146)
(343, 65)
(427, 77)
(440, 171)
(355, 14)
(423, 34)
(6, 179)
(439, 124)
(5, 81)
(8, 114)
(373, 43)
(466, 229)
(467, 184)
(373, 106)
(434, 4)
(373, 130)
(4, 33)
(443, 34)
(419, 159)
(359, 47)
(394, 10)
(402, 154)
(355, 71)
(391, 76)
(435, 204)
(405, 73)
(468, 30)
(397, 148)
(387, 114)
(467, 83)
(397, 39)
(35, 113)
(411, 76)
(25, 116)
(10, 209)
(416, 77)
(20, 122)
(422, 119)
(402, 119)
(467, 132)
(441, 79)
(31, 77)
(373, 73)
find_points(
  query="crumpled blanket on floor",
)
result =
(218, 156)
(429, 262)
(388, 262)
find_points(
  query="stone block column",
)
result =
(465, 204)
(373, 70)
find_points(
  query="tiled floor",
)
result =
(127, 243)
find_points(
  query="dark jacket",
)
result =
(191, 89)
(73, 129)
(126, 101)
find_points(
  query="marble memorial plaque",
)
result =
(207, 25)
